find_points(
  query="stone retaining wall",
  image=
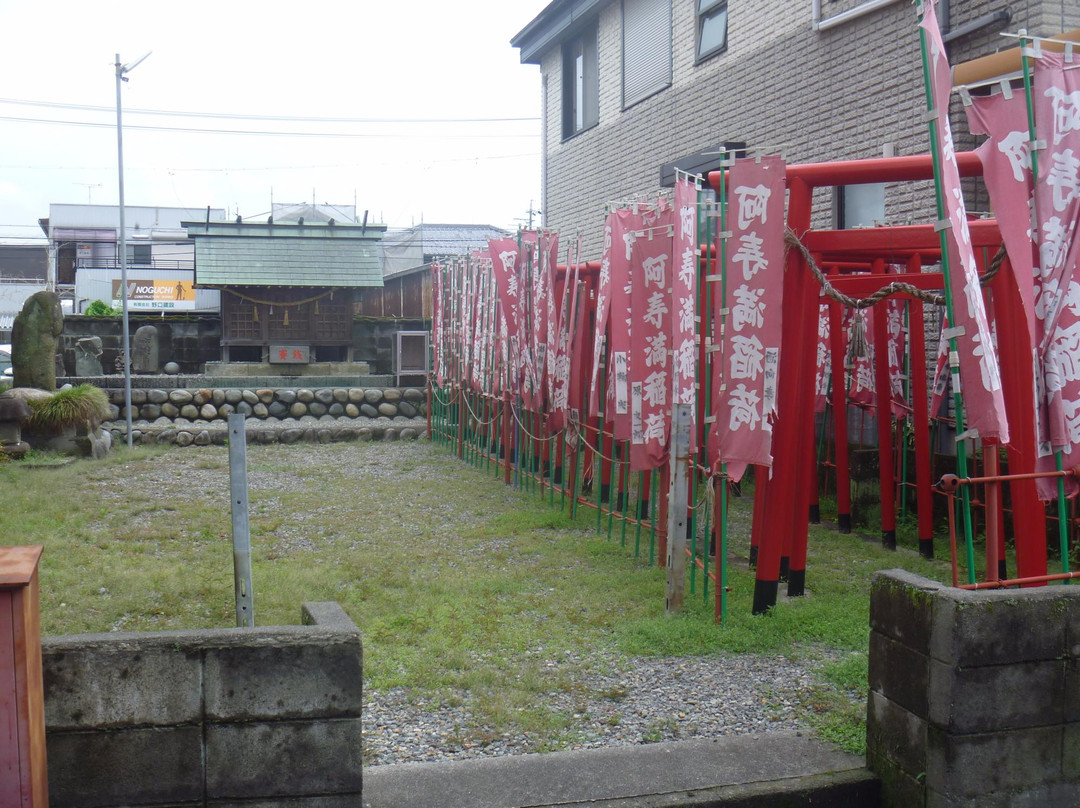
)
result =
(260, 717)
(974, 695)
(199, 416)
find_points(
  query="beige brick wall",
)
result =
(782, 87)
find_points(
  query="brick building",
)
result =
(632, 88)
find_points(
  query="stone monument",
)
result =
(33, 341)
(144, 350)
(88, 356)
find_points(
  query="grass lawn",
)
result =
(461, 586)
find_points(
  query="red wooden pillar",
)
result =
(806, 296)
(784, 518)
(883, 396)
(838, 348)
(1017, 379)
(23, 781)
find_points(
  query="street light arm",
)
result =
(131, 65)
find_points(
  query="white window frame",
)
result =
(581, 85)
(708, 10)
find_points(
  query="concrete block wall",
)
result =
(256, 717)
(781, 86)
(974, 696)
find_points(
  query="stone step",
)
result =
(772, 770)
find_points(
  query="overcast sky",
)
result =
(397, 61)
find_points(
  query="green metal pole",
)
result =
(653, 496)
(721, 551)
(624, 490)
(640, 514)
(958, 403)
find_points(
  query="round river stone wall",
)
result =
(199, 416)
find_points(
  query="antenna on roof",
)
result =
(363, 227)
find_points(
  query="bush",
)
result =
(71, 407)
(99, 308)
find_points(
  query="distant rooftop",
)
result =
(292, 212)
(410, 248)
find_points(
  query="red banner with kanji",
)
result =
(980, 376)
(1056, 290)
(621, 320)
(745, 397)
(684, 299)
(651, 250)
(603, 312)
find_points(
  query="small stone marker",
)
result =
(88, 356)
(144, 350)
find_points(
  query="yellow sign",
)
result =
(145, 293)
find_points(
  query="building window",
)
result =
(646, 48)
(859, 205)
(711, 28)
(138, 253)
(581, 86)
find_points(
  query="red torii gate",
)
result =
(780, 533)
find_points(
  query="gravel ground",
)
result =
(653, 700)
(624, 701)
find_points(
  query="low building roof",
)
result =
(268, 254)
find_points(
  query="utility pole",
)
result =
(121, 69)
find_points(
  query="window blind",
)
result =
(646, 48)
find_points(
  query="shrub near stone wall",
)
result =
(286, 415)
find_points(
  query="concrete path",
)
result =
(739, 770)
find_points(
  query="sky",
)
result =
(450, 130)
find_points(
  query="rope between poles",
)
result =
(896, 287)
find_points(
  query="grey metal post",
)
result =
(676, 522)
(120, 70)
(238, 487)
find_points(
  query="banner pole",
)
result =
(718, 356)
(954, 366)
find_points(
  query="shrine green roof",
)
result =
(317, 254)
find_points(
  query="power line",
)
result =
(262, 168)
(258, 132)
(246, 117)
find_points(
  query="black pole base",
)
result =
(796, 583)
(643, 510)
(815, 514)
(764, 595)
(926, 548)
(547, 468)
(785, 565)
(605, 492)
(557, 478)
(586, 486)
(753, 557)
(888, 539)
(843, 522)
(620, 501)
(1003, 570)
